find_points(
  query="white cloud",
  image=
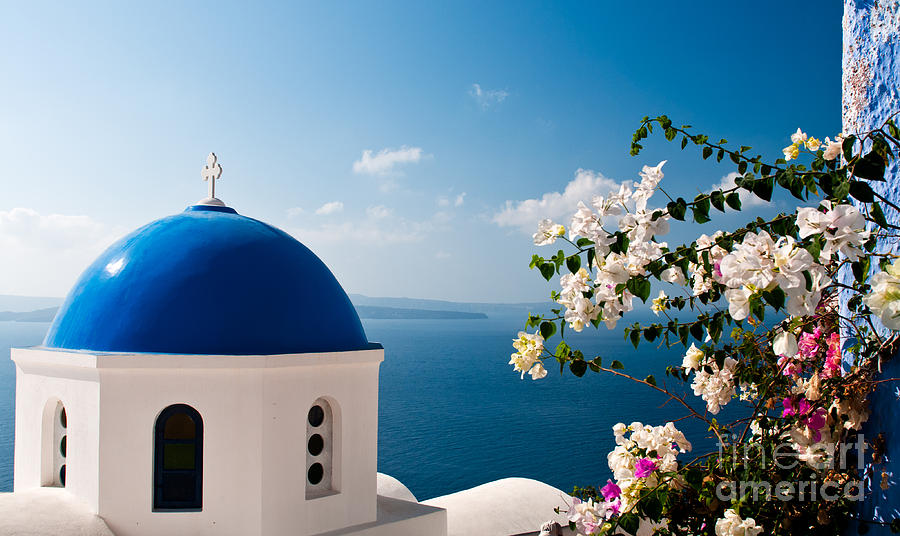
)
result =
(487, 97)
(45, 253)
(748, 199)
(384, 161)
(371, 232)
(330, 208)
(555, 205)
(378, 212)
(444, 201)
(293, 212)
(378, 227)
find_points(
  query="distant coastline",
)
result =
(43, 309)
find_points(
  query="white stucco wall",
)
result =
(254, 412)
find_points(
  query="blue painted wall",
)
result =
(871, 85)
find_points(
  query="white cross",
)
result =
(211, 172)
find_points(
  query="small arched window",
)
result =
(55, 444)
(178, 459)
(320, 452)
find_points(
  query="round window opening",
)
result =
(316, 416)
(315, 445)
(315, 473)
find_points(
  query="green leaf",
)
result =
(718, 200)
(763, 188)
(862, 191)
(651, 380)
(861, 269)
(677, 209)
(847, 147)
(651, 505)
(775, 297)
(562, 350)
(547, 329)
(630, 522)
(573, 263)
(840, 190)
(878, 215)
(700, 214)
(734, 200)
(642, 289)
(616, 364)
(635, 337)
(547, 270)
(707, 152)
(578, 367)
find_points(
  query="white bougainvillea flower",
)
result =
(884, 300)
(785, 344)
(693, 358)
(738, 302)
(791, 152)
(527, 357)
(833, 148)
(673, 274)
(843, 227)
(716, 388)
(548, 232)
(813, 144)
(733, 525)
(660, 303)
(650, 177)
(798, 137)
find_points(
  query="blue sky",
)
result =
(107, 112)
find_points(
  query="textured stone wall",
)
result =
(871, 93)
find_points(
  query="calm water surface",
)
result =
(453, 414)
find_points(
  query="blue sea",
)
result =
(453, 414)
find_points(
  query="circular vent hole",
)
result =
(315, 444)
(316, 416)
(315, 473)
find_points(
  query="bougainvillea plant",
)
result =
(790, 317)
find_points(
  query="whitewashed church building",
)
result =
(207, 375)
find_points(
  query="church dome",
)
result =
(207, 281)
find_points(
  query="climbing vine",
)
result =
(790, 317)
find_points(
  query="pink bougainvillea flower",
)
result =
(791, 407)
(614, 507)
(644, 468)
(808, 344)
(815, 422)
(832, 366)
(611, 491)
(789, 366)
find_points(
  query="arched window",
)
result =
(320, 452)
(178, 459)
(54, 448)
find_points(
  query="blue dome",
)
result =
(207, 281)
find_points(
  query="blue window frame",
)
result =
(178, 459)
